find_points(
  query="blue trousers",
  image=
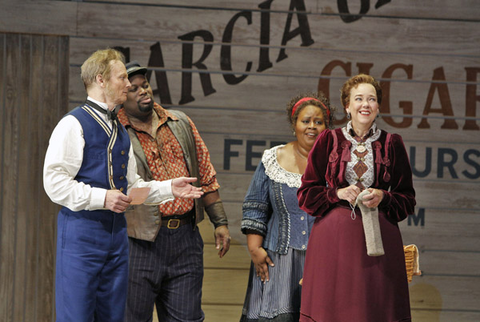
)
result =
(92, 266)
(168, 273)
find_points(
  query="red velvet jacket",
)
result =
(325, 173)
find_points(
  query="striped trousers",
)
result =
(168, 273)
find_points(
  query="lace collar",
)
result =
(347, 130)
(276, 173)
(372, 131)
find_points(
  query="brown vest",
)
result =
(144, 222)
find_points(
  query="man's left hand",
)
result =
(182, 188)
(222, 240)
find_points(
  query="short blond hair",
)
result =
(99, 63)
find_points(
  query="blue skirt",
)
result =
(278, 300)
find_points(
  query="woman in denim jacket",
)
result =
(277, 230)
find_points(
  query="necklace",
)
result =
(361, 147)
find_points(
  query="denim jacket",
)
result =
(271, 207)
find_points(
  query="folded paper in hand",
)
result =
(139, 195)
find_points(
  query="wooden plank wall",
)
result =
(233, 65)
(33, 95)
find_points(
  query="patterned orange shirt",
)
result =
(165, 159)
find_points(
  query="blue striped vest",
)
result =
(105, 155)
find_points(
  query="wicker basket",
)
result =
(412, 262)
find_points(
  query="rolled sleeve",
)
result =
(207, 173)
(256, 207)
(160, 191)
(254, 217)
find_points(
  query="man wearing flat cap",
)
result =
(166, 249)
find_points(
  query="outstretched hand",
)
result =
(182, 188)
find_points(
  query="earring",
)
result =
(293, 132)
(348, 115)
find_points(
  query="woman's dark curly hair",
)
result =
(319, 100)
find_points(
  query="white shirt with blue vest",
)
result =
(64, 159)
(88, 155)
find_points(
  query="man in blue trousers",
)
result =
(90, 170)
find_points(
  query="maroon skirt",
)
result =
(341, 283)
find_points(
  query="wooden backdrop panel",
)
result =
(444, 9)
(9, 175)
(426, 53)
(35, 83)
(159, 23)
(38, 17)
(252, 112)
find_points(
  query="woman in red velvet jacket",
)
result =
(341, 282)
